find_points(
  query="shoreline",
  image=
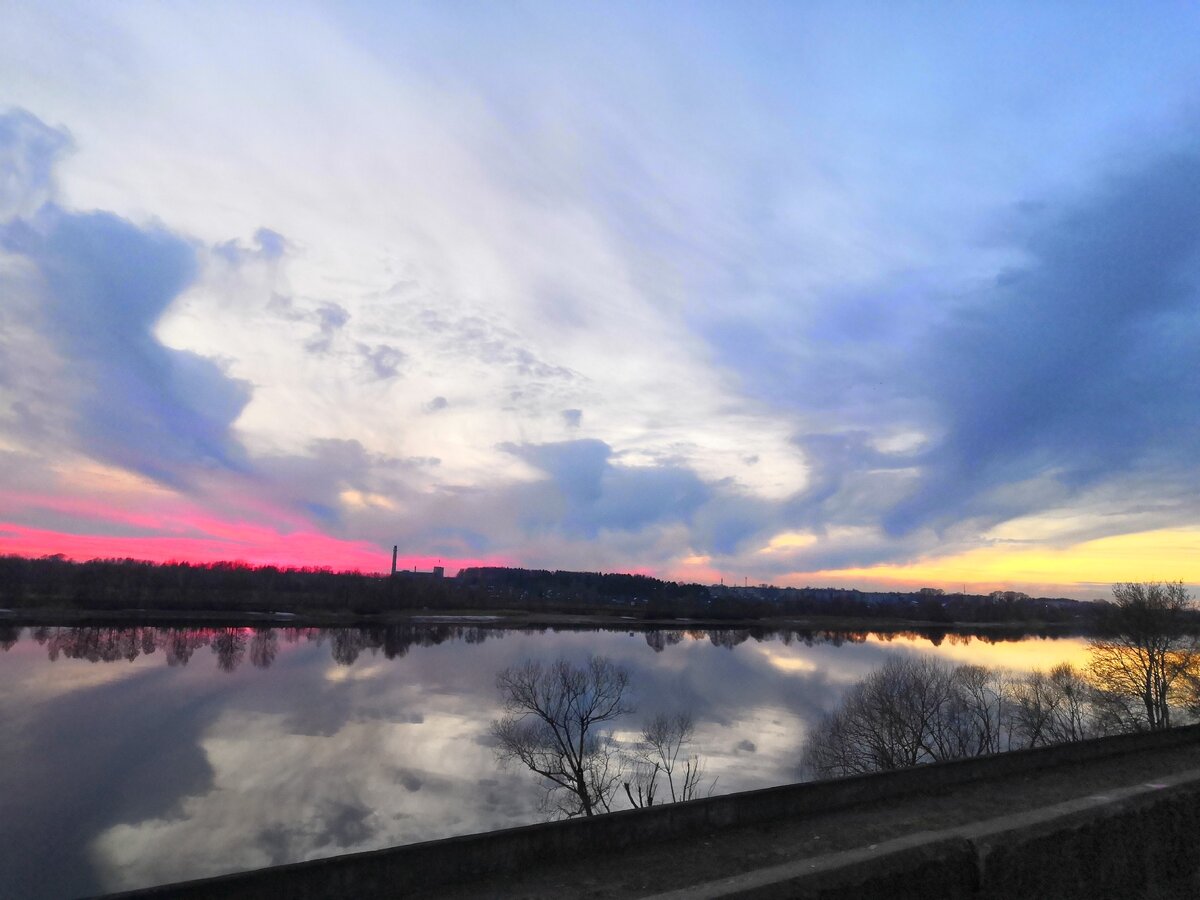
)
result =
(511, 619)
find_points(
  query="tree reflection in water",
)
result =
(231, 645)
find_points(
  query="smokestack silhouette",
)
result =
(395, 548)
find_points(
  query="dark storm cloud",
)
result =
(148, 408)
(1081, 366)
(102, 285)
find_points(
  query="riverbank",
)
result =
(516, 619)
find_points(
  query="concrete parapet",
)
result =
(916, 867)
(1117, 844)
(394, 871)
(1114, 844)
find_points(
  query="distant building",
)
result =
(438, 571)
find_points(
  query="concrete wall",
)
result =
(1137, 842)
(392, 871)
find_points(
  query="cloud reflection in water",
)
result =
(281, 745)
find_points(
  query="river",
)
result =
(132, 756)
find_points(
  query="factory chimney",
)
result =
(395, 548)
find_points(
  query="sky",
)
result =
(874, 295)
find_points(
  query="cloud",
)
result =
(29, 151)
(1077, 367)
(589, 494)
(384, 360)
(99, 284)
(142, 405)
(449, 333)
(330, 319)
(926, 415)
(270, 246)
(772, 329)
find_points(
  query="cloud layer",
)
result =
(380, 281)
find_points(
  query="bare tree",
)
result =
(980, 715)
(552, 725)
(912, 711)
(1058, 707)
(661, 752)
(1075, 716)
(1142, 669)
(264, 647)
(918, 710)
(892, 719)
(229, 644)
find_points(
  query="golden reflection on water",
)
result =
(1025, 655)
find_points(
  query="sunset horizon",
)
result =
(550, 290)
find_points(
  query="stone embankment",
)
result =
(1112, 817)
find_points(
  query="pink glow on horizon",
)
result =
(79, 507)
(230, 542)
(163, 513)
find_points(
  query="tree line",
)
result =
(135, 585)
(177, 644)
(233, 646)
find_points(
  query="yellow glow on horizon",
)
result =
(1164, 555)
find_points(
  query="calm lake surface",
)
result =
(131, 756)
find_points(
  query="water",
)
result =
(136, 756)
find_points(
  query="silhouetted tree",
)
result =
(180, 644)
(554, 716)
(1054, 708)
(264, 646)
(229, 644)
(889, 720)
(9, 635)
(663, 753)
(983, 709)
(1146, 663)
(912, 711)
(347, 644)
